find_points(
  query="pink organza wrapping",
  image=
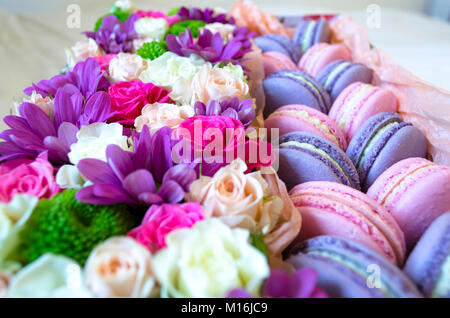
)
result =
(425, 106)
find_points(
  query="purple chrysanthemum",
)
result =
(209, 46)
(126, 177)
(207, 15)
(33, 131)
(300, 284)
(115, 36)
(240, 110)
(87, 76)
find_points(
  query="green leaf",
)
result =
(173, 11)
(193, 25)
(152, 50)
(257, 241)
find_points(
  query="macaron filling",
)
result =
(316, 122)
(334, 74)
(308, 35)
(310, 86)
(354, 102)
(442, 288)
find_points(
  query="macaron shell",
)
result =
(408, 142)
(287, 121)
(322, 54)
(375, 100)
(275, 61)
(416, 203)
(278, 43)
(356, 73)
(357, 200)
(425, 261)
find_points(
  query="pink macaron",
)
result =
(415, 191)
(330, 208)
(291, 118)
(322, 54)
(275, 61)
(357, 103)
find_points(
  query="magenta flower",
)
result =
(87, 76)
(158, 14)
(160, 220)
(207, 15)
(210, 46)
(301, 284)
(240, 110)
(127, 177)
(33, 131)
(115, 36)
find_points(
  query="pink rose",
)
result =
(35, 178)
(158, 14)
(161, 220)
(216, 141)
(103, 61)
(128, 99)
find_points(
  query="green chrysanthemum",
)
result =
(68, 227)
(193, 25)
(152, 50)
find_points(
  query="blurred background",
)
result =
(33, 34)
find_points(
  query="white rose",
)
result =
(126, 67)
(45, 104)
(158, 115)
(93, 140)
(69, 177)
(125, 5)
(151, 28)
(235, 70)
(120, 267)
(218, 84)
(208, 260)
(49, 276)
(169, 67)
(225, 30)
(81, 51)
(238, 199)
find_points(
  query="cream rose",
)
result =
(49, 276)
(238, 199)
(225, 30)
(158, 115)
(4, 283)
(120, 267)
(81, 51)
(218, 84)
(151, 28)
(93, 139)
(45, 104)
(208, 260)
(126, 67)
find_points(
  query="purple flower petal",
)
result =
(171, 192)
(139, 181)
(238, 293)
(103, 194)
(119, 160)
(97, 171)
(181, 174)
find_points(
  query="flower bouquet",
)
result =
(143, 169)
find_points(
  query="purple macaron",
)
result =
(307, 157)
(292, 87)
(310, 32)
(429, 262)
(278, 43)
(337, 75)
(348, 269)
(383, 140)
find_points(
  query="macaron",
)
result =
(307, 157)
(329, 208)
(383, 140)
(322, 54)
(357, 103)
(275, 61)
(310, 32)
(292, 118)
(278, 43)
(428, 265)
(416, 192)
(348, 269)
(337, 75)
(287, 87)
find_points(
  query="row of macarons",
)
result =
(340, 134)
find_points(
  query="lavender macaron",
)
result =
(310, 32)
(292, 87)
(278, 43)
(348, 269)
(307, 157)
(383, 140)
(428, 264)
(337, 75)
